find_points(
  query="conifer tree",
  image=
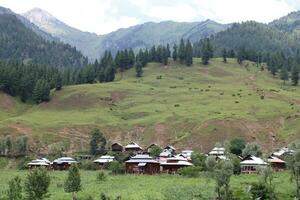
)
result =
(188, 54)
(224, 54)
(175, 53)
(73, 181)
(139, 69)
(206, 52)
(295, 76)
(181, 51)
(284, 74)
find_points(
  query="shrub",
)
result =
(116, 168)
(88, 165)
(259, 191)
(101, 177)
(191, 171)
(36, 184)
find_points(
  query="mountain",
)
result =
(139, 36)
(289, 23)
(86, 42)
(19, 40)
(256, 36)
(204, 29)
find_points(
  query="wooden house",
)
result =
(133, 148)
(117, 147)
(148, 149)
(39, 163)
(63, 163)
(171, 165)
(103, 160)
(187, 154)
(171, 149)
(252, 164)
(276, 164)
(142, 164)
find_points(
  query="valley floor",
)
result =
(151, 187)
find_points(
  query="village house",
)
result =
(283, 152)
(187, 154)
(103, 160)
(252, 164)
(133, 148)
(276, 164)
(217, 151)
(171, 149)
(142, 164)
(39, 163)
(63, 163)
(117, 147)
(148, 149)
(171, 165)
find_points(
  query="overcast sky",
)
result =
(103, 16)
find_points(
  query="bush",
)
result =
(88, 165)
(101, 177)
(116, 168)
(191, 171)
(259, 191)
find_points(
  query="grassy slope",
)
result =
(149, 187)
(188, 107)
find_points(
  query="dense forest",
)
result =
(17, 42)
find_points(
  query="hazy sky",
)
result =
(103, 16)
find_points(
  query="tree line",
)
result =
(13, 147)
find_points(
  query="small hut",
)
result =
(217, 151)
(39, 163)
(251, 164)
(171, 165)
(142, 164)
(104, 160)
(276, 164)
(133, 148)
(117, 147)
(63, 163)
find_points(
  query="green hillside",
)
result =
(189, 107)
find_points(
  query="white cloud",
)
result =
(103, 16)
(180, 12)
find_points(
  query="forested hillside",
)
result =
(20, 43)
(257, 37)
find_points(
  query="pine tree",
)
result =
(139, 69)
(205, 52)
(73, 181)
(58, 83)
(181, 51)
(295, 76)
(284, 74)
(224, 54)
(188, 54)
(36, 184)
(168, 51)
(175, 52)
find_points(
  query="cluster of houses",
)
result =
(168, 161)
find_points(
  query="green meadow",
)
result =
(151, 187)
(186, 106)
